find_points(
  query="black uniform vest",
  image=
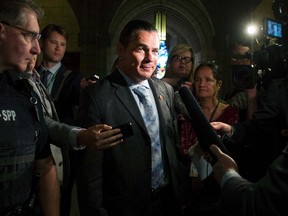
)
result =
(19, 129)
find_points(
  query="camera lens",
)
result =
(244, 76)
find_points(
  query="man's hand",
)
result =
(99, 137)
(223, 164)
(85, 82)
(223, 128)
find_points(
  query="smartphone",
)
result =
(126, 130)
(93, 77)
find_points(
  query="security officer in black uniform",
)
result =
(26, 164)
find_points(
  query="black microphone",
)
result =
(206, 135)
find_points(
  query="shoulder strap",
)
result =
(48, 97)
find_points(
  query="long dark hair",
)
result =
(217, 73)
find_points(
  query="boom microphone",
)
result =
(206, 135)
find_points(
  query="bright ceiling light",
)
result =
(252, 30)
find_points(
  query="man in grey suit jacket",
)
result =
(268, 196)
(117, 181)
(64, 136)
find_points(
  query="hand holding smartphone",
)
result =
(93, 78)
(126, 130)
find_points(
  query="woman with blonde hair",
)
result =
(179, 65)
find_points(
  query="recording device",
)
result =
(244, 76)
(126, 130)
(93, 77)
(180, 82)
(206, 134)
(271, 61)
(273, 28)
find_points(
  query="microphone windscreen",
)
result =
(206, 135)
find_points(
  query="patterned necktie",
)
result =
(150, 119)
(44, 77)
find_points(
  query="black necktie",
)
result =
(44, 77)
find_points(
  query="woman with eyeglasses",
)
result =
(179, 65)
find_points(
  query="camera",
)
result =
(271, 61)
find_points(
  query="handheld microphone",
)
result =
(206, 134)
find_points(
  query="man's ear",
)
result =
(219, 84)
(120, 49)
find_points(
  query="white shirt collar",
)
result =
(53, 69)
(131, 82)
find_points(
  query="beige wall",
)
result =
(263, 11)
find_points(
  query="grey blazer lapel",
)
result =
(161, 99)
(126, 98)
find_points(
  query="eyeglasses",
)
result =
(179, 58)
(26, 33)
